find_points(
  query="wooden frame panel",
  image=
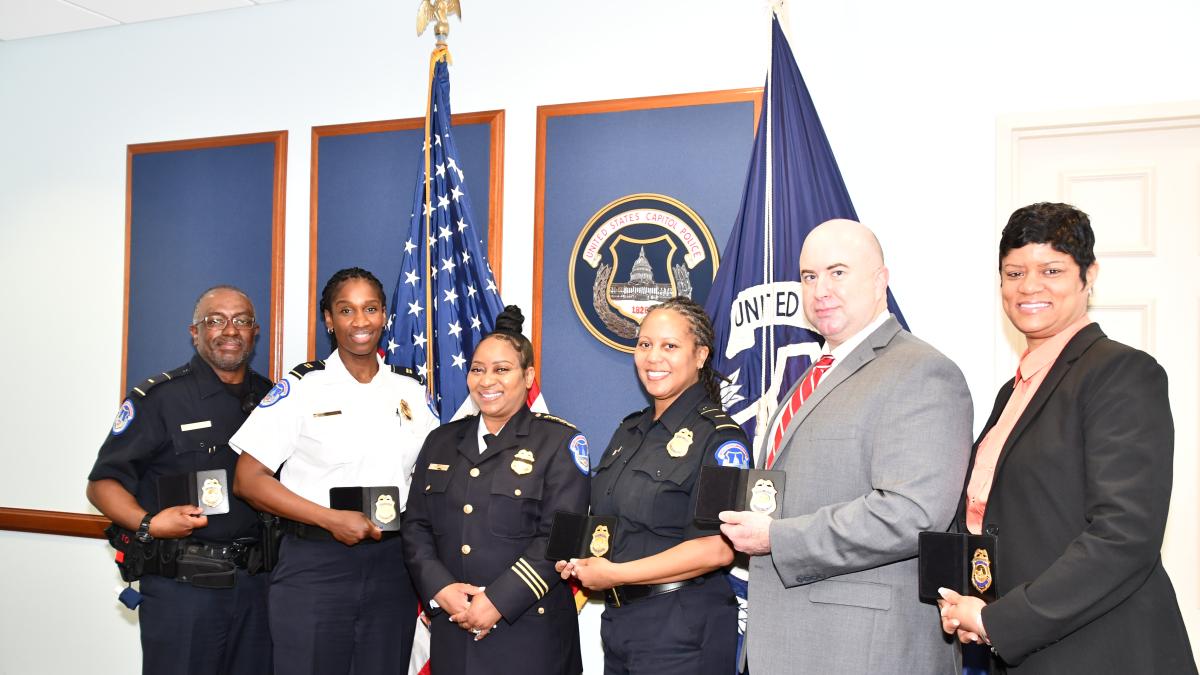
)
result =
(495, 121)
(544, 113)
(278, 211)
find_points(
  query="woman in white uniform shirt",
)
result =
(341, 598)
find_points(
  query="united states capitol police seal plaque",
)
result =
(634, 253)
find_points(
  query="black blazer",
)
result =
(1078, 505)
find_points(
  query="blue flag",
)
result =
(445, 299)
(764, 343)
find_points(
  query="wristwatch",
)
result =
(143, 531)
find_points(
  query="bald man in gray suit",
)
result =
(875, 454)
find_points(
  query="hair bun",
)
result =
(510, 320)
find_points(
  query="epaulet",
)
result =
(552, 418)
(408, 372)
(144, 388)
(305, 368)
(716, 414)
(635, 413)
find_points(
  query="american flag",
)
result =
(445, 299)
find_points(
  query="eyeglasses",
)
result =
(219, 321)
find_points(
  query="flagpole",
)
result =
(440, 52)
(768, 342)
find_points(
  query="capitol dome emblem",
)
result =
(634, 253)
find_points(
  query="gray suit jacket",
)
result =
(877, 454)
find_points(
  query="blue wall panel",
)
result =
(365, 193)
(199, 217)
(695, 154)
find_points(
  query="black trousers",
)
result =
(692, 631)
(203, 631)
(337, 609)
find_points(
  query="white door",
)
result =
(1136, 173)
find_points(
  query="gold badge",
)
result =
(762, 496)
(523, 462)
(405, 410)
(981, 570)
(385, 509)
(678, 446)
(212, 495)
(599, 545)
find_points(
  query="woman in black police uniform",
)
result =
(482, 500)
(669, 606)
(341, 600)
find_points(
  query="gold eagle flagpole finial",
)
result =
(439, 11)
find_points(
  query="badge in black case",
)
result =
(965, 563)
(207, 489)
(574, 535)
(728, 488)
(381, 504)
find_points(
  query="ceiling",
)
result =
(32, 18)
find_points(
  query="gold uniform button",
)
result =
(517, 492)
(428, 488)
(475, 472)
(541, 610)
(467, 508)
(466, 549)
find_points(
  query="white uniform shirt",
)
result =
(334, 431)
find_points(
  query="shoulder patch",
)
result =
(305, 368)
(579, 453)
(719, 418)
(124, 417)
(733, 453)
(277, 394)
(408, 372)
(144, 388)
(552, 418)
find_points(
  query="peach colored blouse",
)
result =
(1030, 372)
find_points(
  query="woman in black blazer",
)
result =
(1081, 484)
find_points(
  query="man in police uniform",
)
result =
(173, 425)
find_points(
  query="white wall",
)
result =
(908, 93)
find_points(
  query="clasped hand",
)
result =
(962, 616)
(469, 607)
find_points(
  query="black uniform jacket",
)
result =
(652, 492)
(181, 422)
(484, 519)
(1078, 505)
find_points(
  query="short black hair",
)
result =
(1065, 228)
(335, 282)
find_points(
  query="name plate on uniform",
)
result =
(965, 563)
(728, 488)
(574, 535)
(207, 489)
(381, 503)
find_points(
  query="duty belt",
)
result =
(623, 595)
(207, 565)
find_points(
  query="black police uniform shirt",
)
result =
(647, 475)
(484, 518)
(176, 423)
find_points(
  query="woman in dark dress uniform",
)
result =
(669, 607)
(483, 498)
